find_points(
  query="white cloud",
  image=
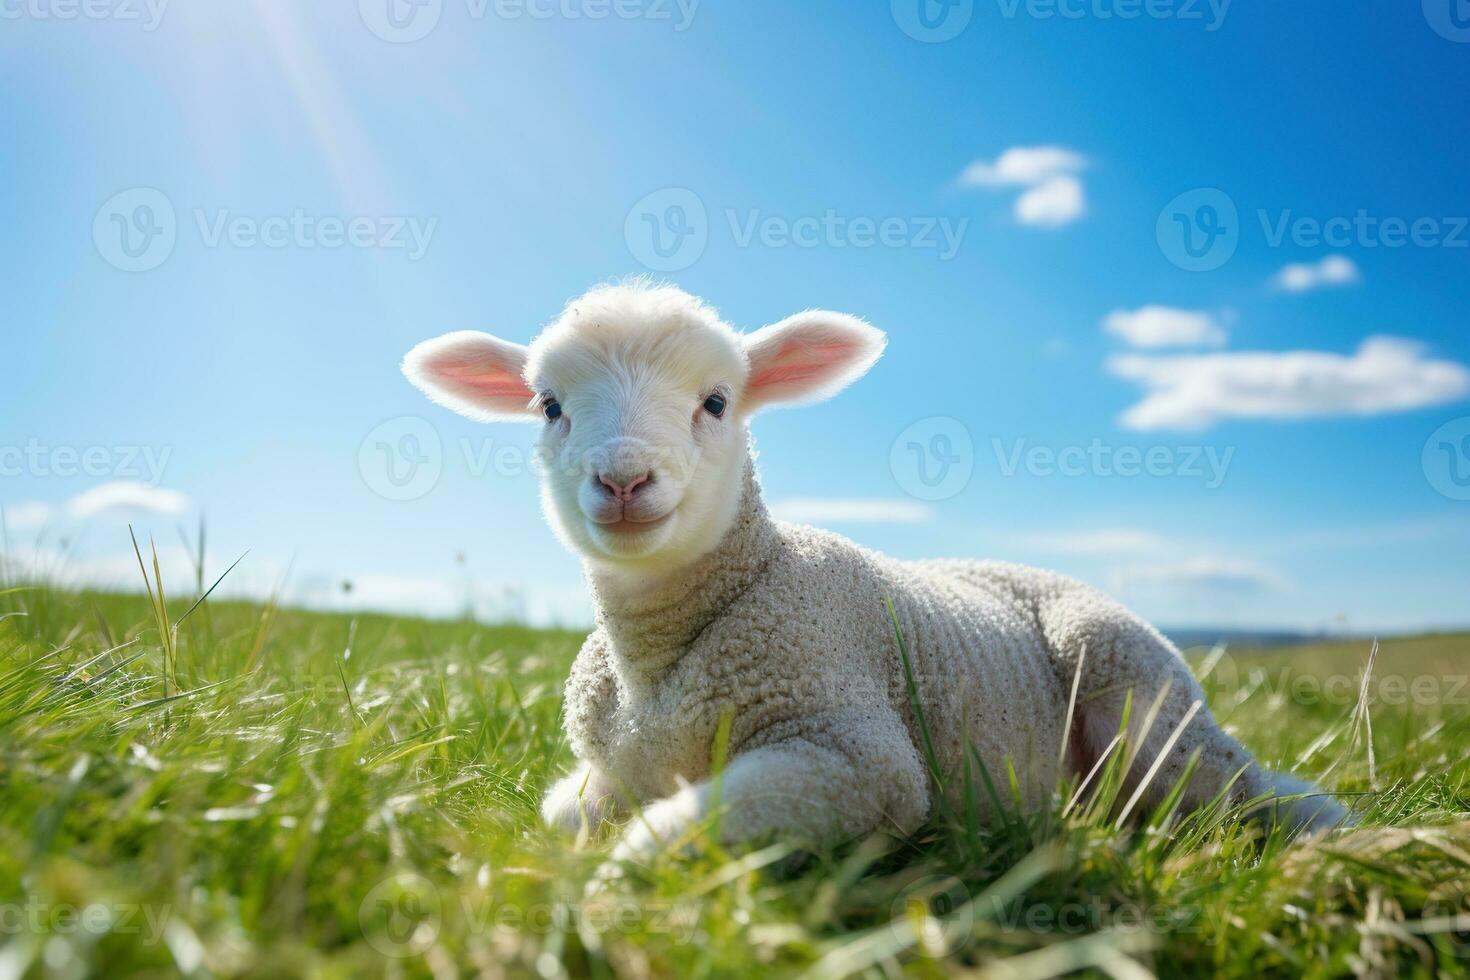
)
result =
(26, 514)
(1165, 326)
(1387, 374)
(813, 510)
(1335, 270)
(1104, 541)
(1202, 574)
(1054, 195)
(1052, 204)
(116, 498)
(122, 497)
(1023, 166)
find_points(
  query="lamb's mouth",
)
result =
(628, 526)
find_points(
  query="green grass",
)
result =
(269, 792)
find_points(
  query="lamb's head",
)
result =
(643, 395)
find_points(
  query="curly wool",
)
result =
(786, 629)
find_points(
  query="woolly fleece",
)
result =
(786, 628)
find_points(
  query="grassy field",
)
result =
(268, 792)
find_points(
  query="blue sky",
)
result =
(504, 162)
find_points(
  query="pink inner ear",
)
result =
(494, 380)
(798, 361)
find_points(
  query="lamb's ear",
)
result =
(808, 357)
(473, 373)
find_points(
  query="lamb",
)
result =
(709, 609)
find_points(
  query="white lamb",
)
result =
(708, 607)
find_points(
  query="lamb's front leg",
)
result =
(848, 776)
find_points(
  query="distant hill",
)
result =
(1185, 637)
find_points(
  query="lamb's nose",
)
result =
(624, 491)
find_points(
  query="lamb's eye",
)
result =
(551, 408)
(715, 405)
